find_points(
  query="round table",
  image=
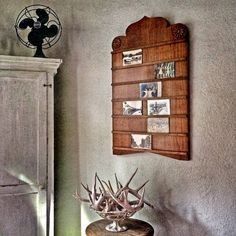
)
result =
(135, 227)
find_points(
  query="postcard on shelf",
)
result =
(158, 125)
(165, 70)
(132, 57)
(150, 90)
(132, 108)
(142, 141)
(158, 107)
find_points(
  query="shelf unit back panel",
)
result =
(170, 143)
(170, 88)
(145, 73)
(159, 42)
(170, 52)
(176, 124)
(179, 106)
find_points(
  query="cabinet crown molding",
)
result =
(49, 65)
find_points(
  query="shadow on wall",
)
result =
(67, 210)
(170, 223)
(9, 43)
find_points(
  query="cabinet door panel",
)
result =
(23, 153)
(18, 215)
(23, 123)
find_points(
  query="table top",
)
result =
(135, 227)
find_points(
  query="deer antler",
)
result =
(132, 191)
(77, 196)
(124, 202)
(112, 204)
(127, 184)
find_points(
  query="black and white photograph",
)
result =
(142, 141)
(150, 90)
(165, 70)
(159, 107)
(132, 108)
(158, 125)
(132, 57)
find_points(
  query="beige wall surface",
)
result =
(190, 198)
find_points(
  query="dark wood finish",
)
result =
(136, 227)
(148, 32)
(160, 142)
(160, 42)
(179, 106)
(170, 88)
(170, 52)
(139, 124)
(175, 155)
(145, 73)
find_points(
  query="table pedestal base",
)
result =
(115, 227)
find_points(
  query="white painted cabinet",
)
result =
(26, 146)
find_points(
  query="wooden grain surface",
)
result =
(177, 125)
(145, 73)
(160, 42)
(135, 227)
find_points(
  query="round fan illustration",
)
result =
(38, 26)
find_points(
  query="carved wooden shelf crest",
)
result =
(149, 31)
(150, 89)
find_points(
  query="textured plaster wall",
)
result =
(191, 198)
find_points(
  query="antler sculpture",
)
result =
(114, 205)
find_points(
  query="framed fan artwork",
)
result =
(150, 89)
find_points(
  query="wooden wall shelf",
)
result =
(150, 89)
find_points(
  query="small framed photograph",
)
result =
(132, 108)
(141, 141)
(158, 107)
(150, 90)
(165, 70)
(132, 57)
(158, 125)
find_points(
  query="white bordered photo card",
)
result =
(132, 108)
(132, 57)
(158, 125)
(150, 90)
(141, 141)
(165, 70)
(158, 107)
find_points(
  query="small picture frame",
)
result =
(132, 57)
(158, 107)
(158, 125)
(132, 108)
(141, 141)
(165, 70)
(150, 90)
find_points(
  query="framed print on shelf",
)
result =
(158, 125)
(132, 108)
(158, 107)
(165, 70)
(150, 90)
(132, 57)
(141, 141)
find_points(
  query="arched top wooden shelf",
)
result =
(150, 89)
